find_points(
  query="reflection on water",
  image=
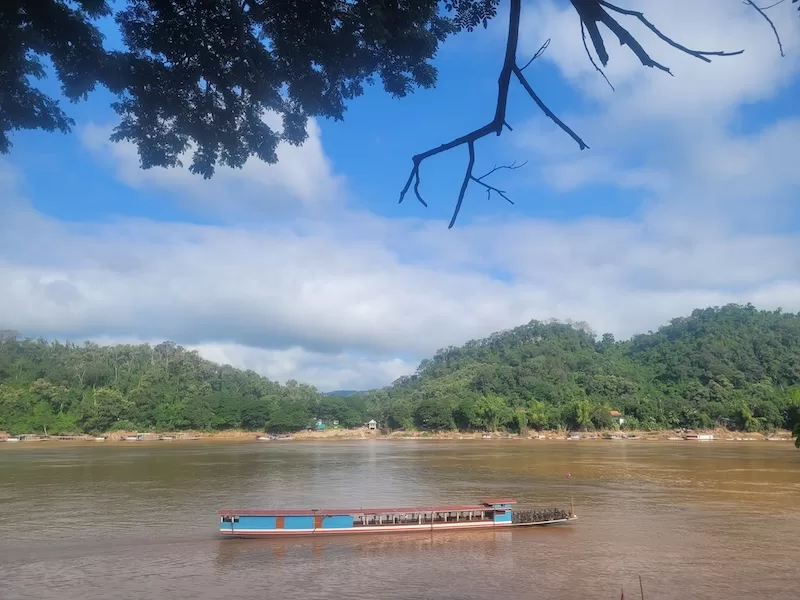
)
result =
(238, 553)
(718, 520)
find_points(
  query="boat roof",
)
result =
(271, 512)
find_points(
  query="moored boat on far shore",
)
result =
(250, 523)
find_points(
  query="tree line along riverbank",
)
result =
(734, 367)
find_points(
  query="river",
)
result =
(693, 519)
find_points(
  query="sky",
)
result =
(311, 270)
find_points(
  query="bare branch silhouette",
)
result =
(495, 126)
(490, 188)
(591, 13)
(539, 52)
(593, 10)
(547, 111)
(512, 167)
(771, 24)
(772, 5)
(591, 58)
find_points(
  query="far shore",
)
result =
(129, 437)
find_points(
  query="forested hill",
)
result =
(64, 388)
(734, 366)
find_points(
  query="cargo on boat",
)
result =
(489, 514)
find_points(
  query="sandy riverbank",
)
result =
(365, 434)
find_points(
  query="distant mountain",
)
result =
(342, 393)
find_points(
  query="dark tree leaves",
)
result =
(202, 74)
(32, 31)
(206, 72)
(470, 13)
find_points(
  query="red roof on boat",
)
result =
(269, 512)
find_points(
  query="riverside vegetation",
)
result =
(733, 366)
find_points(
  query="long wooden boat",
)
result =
(489, 514)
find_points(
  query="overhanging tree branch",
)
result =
(494, 126)
(701, 54)
(591, 13)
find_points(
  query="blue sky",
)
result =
(310, 269)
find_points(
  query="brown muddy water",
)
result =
(694, 519)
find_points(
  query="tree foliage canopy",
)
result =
(733, 366)
(64, 388)
(200, 75)
(204, 72)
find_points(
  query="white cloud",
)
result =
(302, 182)
(10, 179)
(342, 371)
(339, 371)
(260, 287)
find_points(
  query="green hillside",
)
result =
(64, 388)
(734, 366)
